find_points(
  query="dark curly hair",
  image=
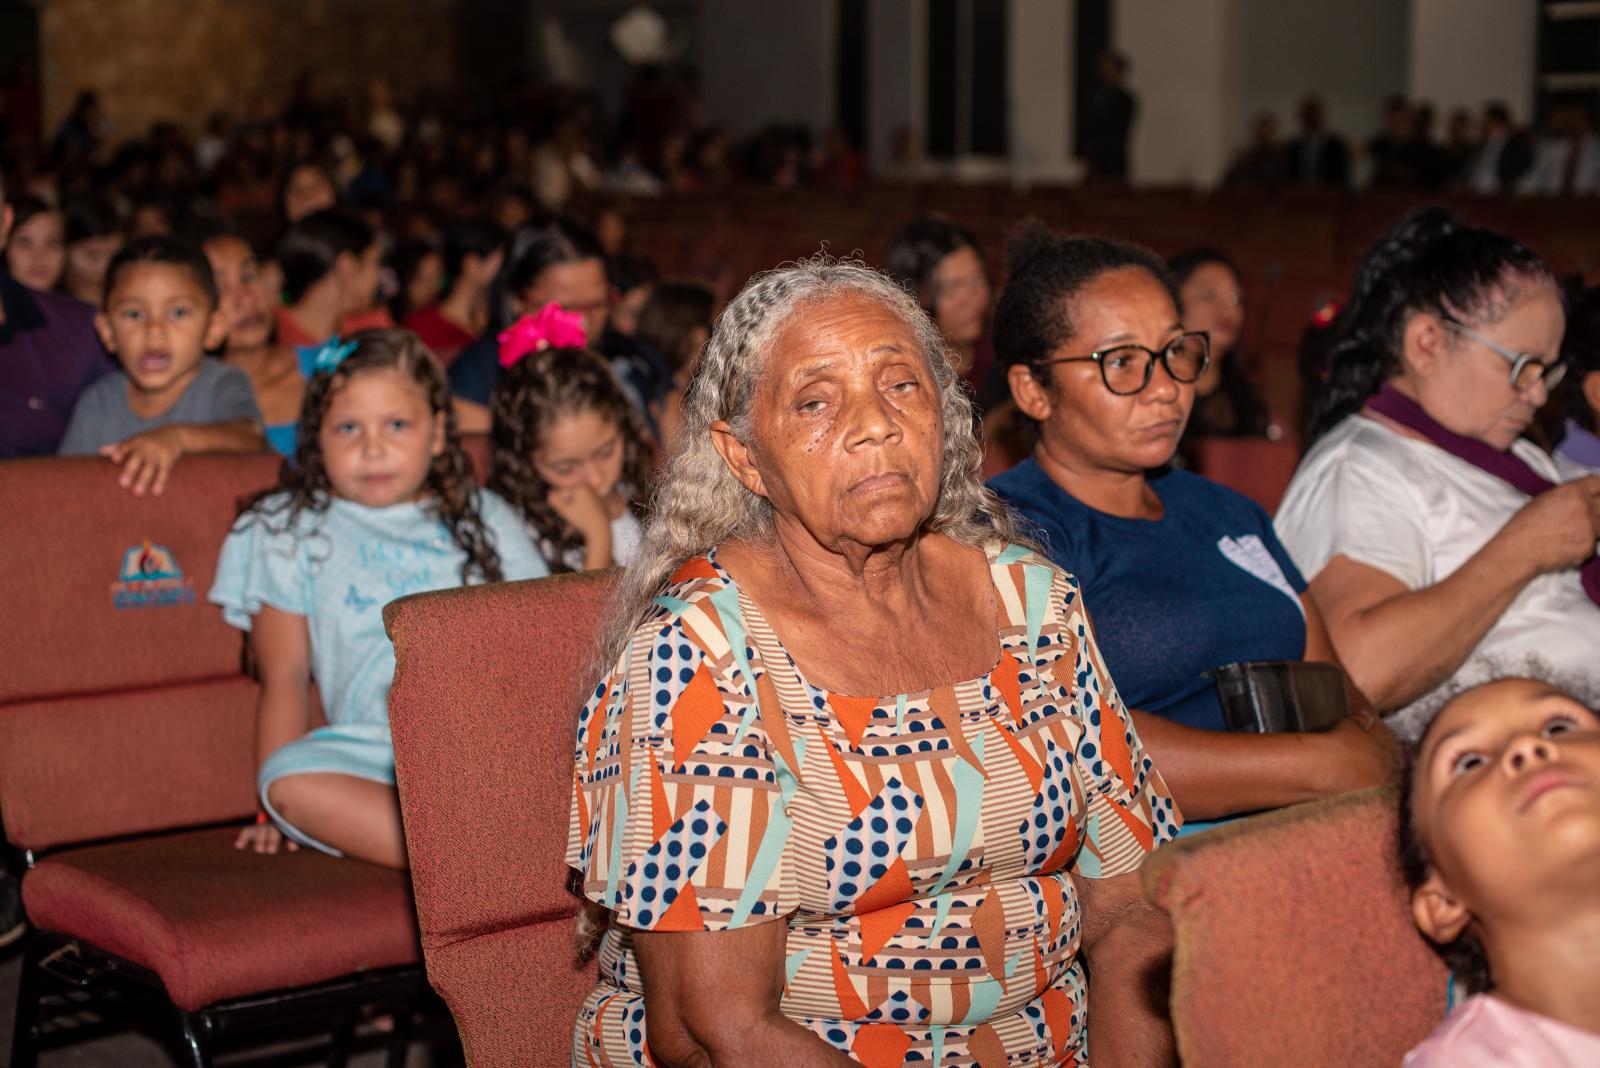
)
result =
(1044, 271)
(529, 397)
(917, 248)
(452, 488)
(1428, 262)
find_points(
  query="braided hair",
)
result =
(303, 484)
(530, 396)
(1428, 263)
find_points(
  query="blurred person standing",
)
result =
(1318, 156)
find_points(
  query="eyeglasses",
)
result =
(1126, 369)
(1527, 370)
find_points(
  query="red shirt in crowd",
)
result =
(445, 337)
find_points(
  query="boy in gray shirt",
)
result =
(169, 399)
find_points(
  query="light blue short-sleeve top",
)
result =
(338, 568)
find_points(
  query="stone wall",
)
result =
(183, 59)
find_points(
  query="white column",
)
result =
(1040, 90)
(1466, 52)
(894, 73)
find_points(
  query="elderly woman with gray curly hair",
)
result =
(857, 787)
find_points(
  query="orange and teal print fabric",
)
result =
(919, 846)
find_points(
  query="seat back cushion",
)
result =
(78, 769)
(1255, 467)
(1293, 940)
(106, 591)
(514, 994)
(123, 706)
(488, 685)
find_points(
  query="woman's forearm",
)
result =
(774, 1039)
(781, 1041)
(1213, 774)
(1398, 644)
(1128, 948)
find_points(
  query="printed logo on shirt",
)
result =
(151, 578)
(1250, 553)
(353, 599)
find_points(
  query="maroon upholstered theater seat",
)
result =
(484, 708)
(1255, 467)
(126, 721)
(1294, 942)
(218, 923)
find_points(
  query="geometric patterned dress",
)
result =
(918, 845)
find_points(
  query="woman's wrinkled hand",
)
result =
(1558, 529)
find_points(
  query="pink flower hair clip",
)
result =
(552, 328)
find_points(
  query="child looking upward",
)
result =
(160, 316)
(1500, 843)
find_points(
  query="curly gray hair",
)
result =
(698, 504)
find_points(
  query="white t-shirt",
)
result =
(1413, 511)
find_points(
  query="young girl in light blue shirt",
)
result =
(378, 502)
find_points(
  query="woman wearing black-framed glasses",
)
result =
(1181, 575)
(1441, 545)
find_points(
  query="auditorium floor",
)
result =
(135, 1050)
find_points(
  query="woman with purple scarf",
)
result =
(1441, 545)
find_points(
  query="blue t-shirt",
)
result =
(338, 568)
(1208, 584)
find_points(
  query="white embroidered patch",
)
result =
(1250, 554)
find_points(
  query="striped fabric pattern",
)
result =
(919, 846)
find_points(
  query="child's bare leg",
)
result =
(358, 817)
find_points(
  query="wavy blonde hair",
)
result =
(698, 504)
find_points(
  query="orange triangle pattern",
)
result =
(944, 704)
(698, 568)
(1141, 830)
(1041, 978)
(1030, 767)
(1004, 678)
(597, 721)
(986, 1048)
(854, 792)
(694, 713)
(774, 723)
(1064, 851)
(660, 814)
(683, 914)
(880, 925)
(1114, 744)
(891, 889)
(851, 1007)
(1057, 1018)
(854, 713)
(989, 924)
(880, 1045)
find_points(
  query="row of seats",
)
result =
(126, 764)
(1296, 249)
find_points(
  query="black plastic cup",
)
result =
(1280, 696)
